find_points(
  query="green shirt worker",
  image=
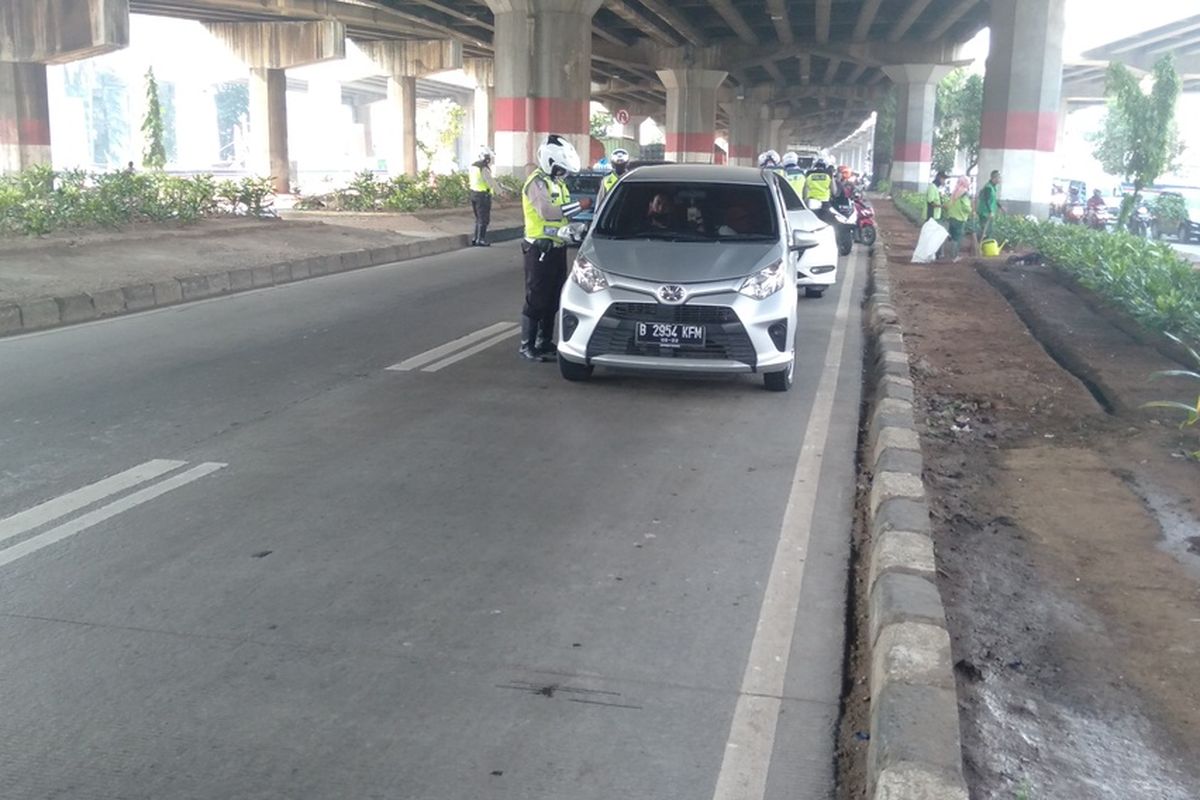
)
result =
(933, 197)
(958, 211)
(988, 205)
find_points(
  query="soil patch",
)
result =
(1064, 522)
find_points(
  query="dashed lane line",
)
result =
(71, 502)
(441, 351)
(92, 518)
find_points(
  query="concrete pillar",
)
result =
(543, 76)
(916, 91)
(1022, 89)
(270, 49)
(773, 138)
(744, 124)
(691, 112)
(34, 33)
(403, 62)
(401, 151)
(24, 116)
(483, 112)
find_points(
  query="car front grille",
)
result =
(725, 337)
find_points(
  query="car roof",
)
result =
(698, 173)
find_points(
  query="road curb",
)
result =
(42, 313)
(915, 750)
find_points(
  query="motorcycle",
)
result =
(864, 232)
(1141, 223)
(845, 221)
(1073, 214)
(1098, 218)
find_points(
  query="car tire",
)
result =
(814, 291)
(572, 371)
(780, 381)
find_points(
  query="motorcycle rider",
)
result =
(483, 188)
(619, 160)
(792, 172)
(818, 184)
(1095, 208)
(546, 201)
(769, 159)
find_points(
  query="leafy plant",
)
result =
(1192, 412)
(155, 155)
(1170, 210)
(957, 113)
(599, 123)
(1139, 139)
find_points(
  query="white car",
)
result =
(816, 267)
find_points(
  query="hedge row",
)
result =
(367, 192)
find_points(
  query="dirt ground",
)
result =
(1067, 527)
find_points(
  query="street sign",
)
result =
(622, 117)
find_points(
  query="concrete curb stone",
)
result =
(915, 751)
(48, 312)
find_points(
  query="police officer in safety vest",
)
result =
(818, 185)
(620, 165)
(482, 189)
(793, 173)
(548, 208)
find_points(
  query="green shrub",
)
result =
(38, 200)
(1170, 210)
(401, 193)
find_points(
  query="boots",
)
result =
(545, 339)
(481, 236)
(528, 349)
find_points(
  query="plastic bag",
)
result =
(931, 239)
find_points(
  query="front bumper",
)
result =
(818, 265)
(742, 334)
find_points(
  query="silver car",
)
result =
(687, 268)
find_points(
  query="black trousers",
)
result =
(544, 279)
(481, 204)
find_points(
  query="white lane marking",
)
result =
(429, 356)
(52, 509)
(85, 521)
(470, 351)
(747, 757)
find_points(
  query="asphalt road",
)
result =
(240, 558)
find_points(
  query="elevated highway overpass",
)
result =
(761, 72)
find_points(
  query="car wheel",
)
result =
(868, 235)
(780, 381)
(572, 371)
(814, 291)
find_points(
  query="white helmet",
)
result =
(791, 158)
(619, 156)
(768, 159)
(485, 154)
(557, 152)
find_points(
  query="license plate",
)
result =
(670, 334)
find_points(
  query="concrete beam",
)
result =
(866, 15)
(58, 31)
(677, 21)
(282, 45)
(778, 11)
(735, 20)
(659, 33)
(911, 14)
(413, 58)
(947, 20)
(824, 13)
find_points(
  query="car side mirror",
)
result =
(802, 241)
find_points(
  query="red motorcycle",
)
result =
(864, 231)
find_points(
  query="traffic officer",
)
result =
(818, 185)
(619, 160)
(547, 204)
(768, 159)
(482, 190)
(792, 172)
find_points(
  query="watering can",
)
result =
(989, 247)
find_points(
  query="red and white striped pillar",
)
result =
(543, 76)
(916, 92)
(1022, 91)
(691, 112)
(744, 122)
(24, 116)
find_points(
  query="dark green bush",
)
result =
(39, 200)
(404, 193)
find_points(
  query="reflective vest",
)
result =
(610, 180)
(796, 178)
(478, 184)
(818, 185)
(535, 226)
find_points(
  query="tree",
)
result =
(1138, 139)
(599, 124)
(956, 119)
(233, 106)
(885, 134)
(155, 154)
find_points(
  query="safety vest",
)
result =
(610, 180)
(796, 178)
(478, 184)
(535, 226)
(817, 185)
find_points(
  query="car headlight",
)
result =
(764, 283)
(588, 276)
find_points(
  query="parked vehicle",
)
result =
(1074, 213)
(1098, 218)
(585, 183)
(1189, 228)
(865, 231)
(688, 268)
(816, 267)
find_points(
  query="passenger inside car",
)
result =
(658, 214)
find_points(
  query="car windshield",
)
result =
(689, 212)
(583, 184)
(1192, 200)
